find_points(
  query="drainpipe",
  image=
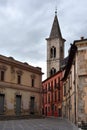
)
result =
(69, 98)
(75, 91)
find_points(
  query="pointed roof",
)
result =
(55, 31)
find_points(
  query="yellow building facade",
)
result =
(20, 87)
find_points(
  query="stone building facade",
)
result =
(81, 62)
(20, 87)
(55, 48)
(74, 106)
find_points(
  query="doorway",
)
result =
(18, 104)
(2, 97)
(32, 105)
(59, 112)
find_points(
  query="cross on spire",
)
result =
(56, 11)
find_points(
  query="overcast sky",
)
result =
(25, 24)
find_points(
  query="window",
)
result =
(19, 74)
(2, 75)
(2, 72)
(53, 52)
(55, 83)
(53, 71)
(59, 83)
(55, 96)
(48, 98)
(48, 86)
(19, 79)
(52, 84)
(58, 95)
(32, 82)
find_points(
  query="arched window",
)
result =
(52, 71)
(53, 52)
(2, 72)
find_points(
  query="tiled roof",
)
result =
(71, 56)
(64, 62)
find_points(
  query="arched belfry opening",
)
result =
(53, 52)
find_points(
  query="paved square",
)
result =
(37, 124)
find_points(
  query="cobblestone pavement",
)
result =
(37, 124)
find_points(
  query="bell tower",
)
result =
(55, 48)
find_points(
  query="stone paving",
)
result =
(37, 124)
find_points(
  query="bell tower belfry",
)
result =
(55, 48)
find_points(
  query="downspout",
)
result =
(75, 91)
(69, 97)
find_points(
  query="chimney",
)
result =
(82, 38)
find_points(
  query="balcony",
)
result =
(50, 89)
(57, 86)
(44, 91)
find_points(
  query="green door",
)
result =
(18, 104)
(32, 105)
(2, 103)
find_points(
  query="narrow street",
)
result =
(37, 124)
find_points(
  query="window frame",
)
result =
(2, 75)
(53, 52)
(32, 82)
(18, 79)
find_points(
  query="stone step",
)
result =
(17, 117)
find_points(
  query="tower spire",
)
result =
(55, 31)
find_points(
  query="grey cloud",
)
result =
(24, 25)
(3, 2)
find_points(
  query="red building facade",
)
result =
(52, 94)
